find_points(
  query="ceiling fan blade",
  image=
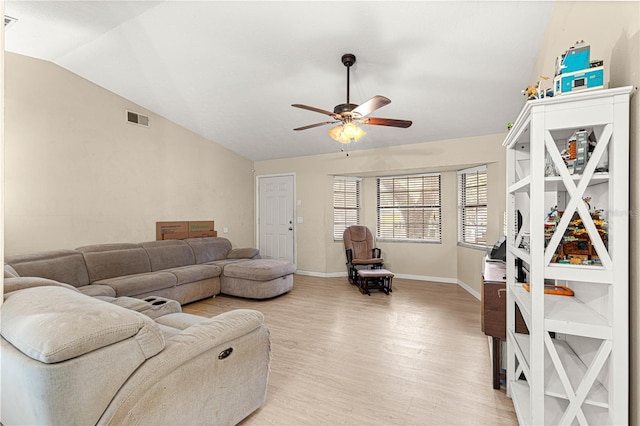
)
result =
(371, 105)
(314, 109)
(391, 122)
(311, 126)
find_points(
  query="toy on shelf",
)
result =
(536, 91)
(576, 246)
(559, 290)
(550, 223)
(577, 153)
(576, 72)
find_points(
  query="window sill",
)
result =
(473, 246)
(388, 240)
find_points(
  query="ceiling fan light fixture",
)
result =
(347, 133)
(349, 114)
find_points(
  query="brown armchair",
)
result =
(360, 251)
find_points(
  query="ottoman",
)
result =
(374, 279)
(257, 278)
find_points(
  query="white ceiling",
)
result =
(230, 70)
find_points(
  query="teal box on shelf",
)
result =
(585, 79)
(576, 58)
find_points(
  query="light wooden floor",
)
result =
(415, 357)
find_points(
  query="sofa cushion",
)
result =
(66, 266)
(243, 253)
(114, 260)
(209, 248)
(222, 263)
(20, 283)
(169, 254)
(132, 285)
(259, 269)
(193, 273)
(54, 324)
(95, 290)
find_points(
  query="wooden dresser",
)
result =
(494, 312)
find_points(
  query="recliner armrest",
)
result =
(21, 283)
(214, 363)
(223, 327)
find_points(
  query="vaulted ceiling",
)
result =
(230, 70)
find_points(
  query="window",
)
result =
(472, 206)
(346, 204)
(409, 208)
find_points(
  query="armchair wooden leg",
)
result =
(353, 275)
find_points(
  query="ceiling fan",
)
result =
(348, 115)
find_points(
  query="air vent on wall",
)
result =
(139, 119)
(9, 21)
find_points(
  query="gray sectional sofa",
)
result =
(182, 270)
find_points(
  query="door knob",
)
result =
(291, 228)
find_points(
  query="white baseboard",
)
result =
(469, 290)
(427, 278)
(321, 274)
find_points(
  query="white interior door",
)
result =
(276, 228)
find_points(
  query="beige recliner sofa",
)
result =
(72, 359)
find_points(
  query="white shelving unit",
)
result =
(573, 366)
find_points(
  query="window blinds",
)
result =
(472, 206)
(346, 204)
(409, 207)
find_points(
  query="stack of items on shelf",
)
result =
(577, 153)
(575, 71)
(576, 246)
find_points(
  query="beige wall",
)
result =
(613, 31)
(2, 148)
(318, 253)
(76, 173)
(469, 275)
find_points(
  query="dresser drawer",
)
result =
(494, 311)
